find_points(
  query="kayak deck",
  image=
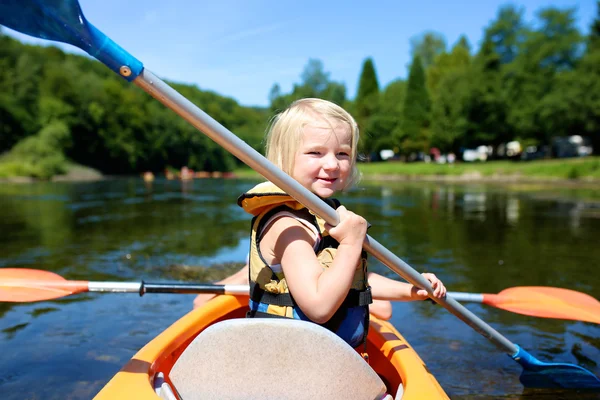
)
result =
(392, 358)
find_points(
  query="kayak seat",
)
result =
(273, 359)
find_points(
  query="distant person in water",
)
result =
(299, 266)
(148, 176)
(186, 174)
(169, 174)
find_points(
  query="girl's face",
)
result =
(323, 162)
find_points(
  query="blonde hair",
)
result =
(285, 132)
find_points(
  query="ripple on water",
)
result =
(90, 219)
(31, 256)
(85, 204)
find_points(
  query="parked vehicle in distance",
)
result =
(571, 146)
(481, 153)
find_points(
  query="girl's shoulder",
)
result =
(292, 224)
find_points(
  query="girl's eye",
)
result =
(343, 154)
(314, 153)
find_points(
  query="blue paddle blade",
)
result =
(63, 21)
(538, 374)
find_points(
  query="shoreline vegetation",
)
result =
(73, 173)
(571, 171)
(568, 171)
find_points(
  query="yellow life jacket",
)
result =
(268, 287)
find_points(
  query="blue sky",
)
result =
(241, 48)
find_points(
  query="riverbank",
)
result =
(77, 172)
(566, 172)
(573, 171)
(74, 173)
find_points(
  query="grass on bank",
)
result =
(38, 156)
(586, 168)
(61, 170)
(572, 168)
(11, 167)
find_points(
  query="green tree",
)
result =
(486, 107)
(366, 105)
(547, 52)
(580, 89)
(556, 46)
(27, 79)
(416, 111)
(594, 37)
(19, 80)
(458, 59)
(449, 118)
(16, 122)
(386, 122)
(487, 104)
(335, 92)
(448, 80)
(40, 155)
(392, 98)
(507, 33)
(464, 43)
(277, 99)
(427, 47)
(314, 82)
(314, 78)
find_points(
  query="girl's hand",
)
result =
(351, 230)
(439, 290)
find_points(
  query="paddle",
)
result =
(539, 301)
(63, 20)
(20, 285)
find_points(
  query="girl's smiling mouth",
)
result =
(328, 180)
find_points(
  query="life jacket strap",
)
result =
(358, 297)
(355, 298)
(260, 314)
(259, 295)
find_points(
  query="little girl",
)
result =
(300, 267)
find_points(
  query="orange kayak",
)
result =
(214, 352)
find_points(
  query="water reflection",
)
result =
(10, 332)
(512, 210)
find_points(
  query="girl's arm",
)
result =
(318, 292)
(389, 289)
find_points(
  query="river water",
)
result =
(477, 238)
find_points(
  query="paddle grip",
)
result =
(181, 288)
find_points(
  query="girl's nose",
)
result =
(331, 163)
